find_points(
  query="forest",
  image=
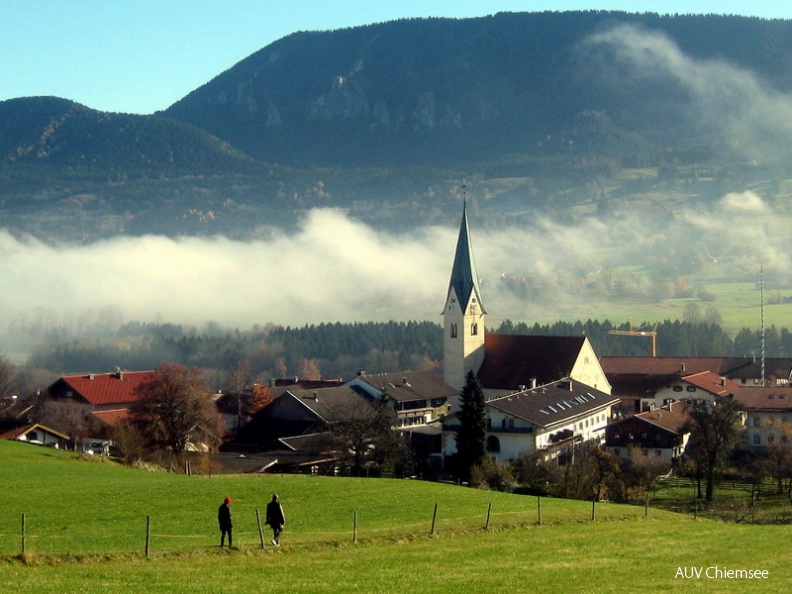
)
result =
(336, 350)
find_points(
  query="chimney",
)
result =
(682, 366)
(404, 381)
(533, 382)
(90, 376)
(316, 395)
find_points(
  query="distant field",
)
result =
(86, 519)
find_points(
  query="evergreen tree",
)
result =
(471, 437)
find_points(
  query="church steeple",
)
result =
(464, 281)
(463, 313)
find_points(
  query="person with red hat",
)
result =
(224, 519)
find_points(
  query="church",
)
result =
(546, 395)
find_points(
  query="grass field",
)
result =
(85, 524)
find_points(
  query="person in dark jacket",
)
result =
(224, 519)
(275, 519)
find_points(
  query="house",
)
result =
(768, 414)
(419, 397)
(34, 433)
(637, 379)
(661, 433)
(699, 389)
(301, 412)
(100, 391)
(551, 421)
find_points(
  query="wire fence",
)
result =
(35, 538)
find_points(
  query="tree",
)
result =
(175, 408)
(367, 436)
(471, 436)
(714, 432)
(778, 459)
(8, 378)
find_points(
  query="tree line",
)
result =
(331, 350)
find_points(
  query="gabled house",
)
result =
(301, 412)
(699, 389)
(34, 433)
(552, 421)
(661, 433)
(100, 391)
(768, 414)
(419, 397)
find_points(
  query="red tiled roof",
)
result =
(764, 398)
(712, 382)
(673, 416)
(660, 365)
(112, 417)
(511, 360)
(108, 388)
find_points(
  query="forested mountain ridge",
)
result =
(448, 92)
(535, 112)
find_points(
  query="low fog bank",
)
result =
(338, 269)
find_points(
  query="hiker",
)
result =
(275, 519)
(224, 519)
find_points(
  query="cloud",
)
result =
(729, 102)
(746, 201)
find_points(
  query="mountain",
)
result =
(560, 114)
(453, 92)
(58, 132)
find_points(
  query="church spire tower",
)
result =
(463, 341)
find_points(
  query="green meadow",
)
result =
(85, 531)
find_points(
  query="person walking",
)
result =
(224, 519)
(275, 519)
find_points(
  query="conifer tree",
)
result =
(471, 437)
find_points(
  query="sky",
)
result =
(141, 56)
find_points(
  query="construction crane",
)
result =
(650, 333)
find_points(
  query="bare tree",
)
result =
(8, 378)
(714, 432)
(175, 409)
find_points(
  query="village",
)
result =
(547, 398)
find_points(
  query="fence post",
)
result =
(148, 536)
(434, 518)
(354, 527)
(646, 505)
(538, 510)
(489, 512)
(261, 533)
(593, 503)
(24, 536)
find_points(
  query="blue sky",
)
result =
(139, 56)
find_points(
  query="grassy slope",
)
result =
(89, 507)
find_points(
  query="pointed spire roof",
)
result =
(464, 280)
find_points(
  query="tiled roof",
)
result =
(764, 398)
(664, 366)
(553, 403)
(712, 382)
(106, 388)
(410, 385)
(335, 404)
(672, 417)
(112, 417)
(514, 360)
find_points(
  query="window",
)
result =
(493, 444)
(757, 422)
(757, 440)
(770, 438)
(691, 388)
(677, 388)
(474, 329)
(453, 330)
